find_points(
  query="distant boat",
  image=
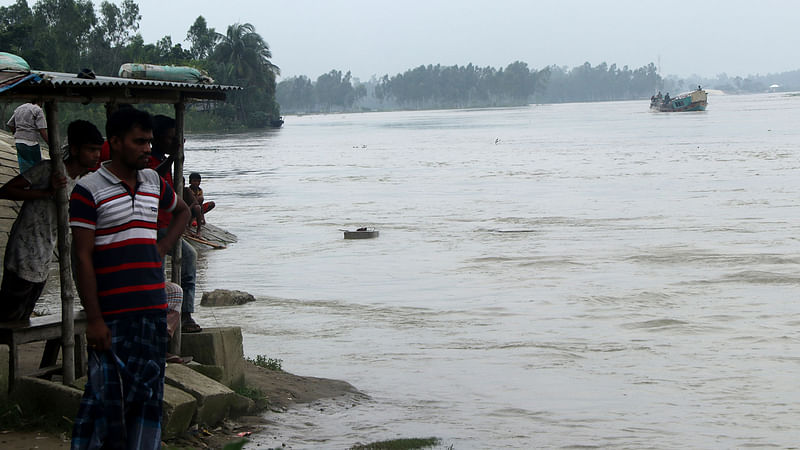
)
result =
(276, 123)
(692, 101)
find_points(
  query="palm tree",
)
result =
(244, 59)
(245, 56)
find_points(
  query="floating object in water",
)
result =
(361, 233)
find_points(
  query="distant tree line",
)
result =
(423, 87)
(69, 35)
(599, 83)
(775, 82)
(331, 91)
(470, 86)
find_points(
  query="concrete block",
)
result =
(80, 383)
(218, 347)
(179, 410)
(214, 400)
(242, 406)
(216, 373)
(4, 374)
(46, 397)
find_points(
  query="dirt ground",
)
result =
(282, 389)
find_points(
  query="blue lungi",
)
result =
(121, 407)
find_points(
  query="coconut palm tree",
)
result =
(245, 56)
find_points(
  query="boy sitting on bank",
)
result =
(198, 206)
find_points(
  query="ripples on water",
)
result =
(602, 276)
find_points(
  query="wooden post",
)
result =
(177, 183)
(64, 259)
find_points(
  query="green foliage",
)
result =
(331, 91)
(424, 87)
(267, 363)
(235, 445)
(242, 57)
(462, 86)
(202, 38)
(601, 83)
(69, 35)
(259, 398)
(399, 444)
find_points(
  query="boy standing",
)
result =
(27, 124)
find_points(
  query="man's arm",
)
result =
(180, 217)
(19, 188)
(43, 132)
(98, 335)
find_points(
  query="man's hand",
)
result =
(163, 250)
(98, 336)
(58, 181)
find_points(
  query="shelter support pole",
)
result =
(64, 244)
(177, 183)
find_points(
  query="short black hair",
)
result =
(161, 124)
(81, 132)
(194, 176)
(124, 119)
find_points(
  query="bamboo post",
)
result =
(177, 183)
(64, 260)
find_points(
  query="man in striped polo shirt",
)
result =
(120, 276)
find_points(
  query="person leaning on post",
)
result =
(34, 235)
(120, 274)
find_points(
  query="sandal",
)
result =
(190, 326)
(175, 359)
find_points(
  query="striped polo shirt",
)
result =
(128, 266)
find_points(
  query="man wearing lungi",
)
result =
(113, 214)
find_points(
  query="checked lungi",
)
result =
(121, 407)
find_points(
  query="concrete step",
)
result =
(218, 347)
(214, 400)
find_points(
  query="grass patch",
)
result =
(267, 363)
(255, 395)
(399, 444)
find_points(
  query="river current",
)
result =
(553, 276)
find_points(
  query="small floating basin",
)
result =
(361, 233)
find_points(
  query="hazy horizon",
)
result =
(368, 38)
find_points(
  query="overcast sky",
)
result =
(377, 37)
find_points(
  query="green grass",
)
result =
(399, 444)
(260, 399)
(267, 363)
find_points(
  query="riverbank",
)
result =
(282, 391)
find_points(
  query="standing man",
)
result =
(34, 234)
(113, 214)
(165, 144)
(27, 124)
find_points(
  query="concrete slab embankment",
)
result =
(218, 347)
(190, 396)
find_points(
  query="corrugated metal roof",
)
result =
(59, 79)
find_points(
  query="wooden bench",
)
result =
(48, 329)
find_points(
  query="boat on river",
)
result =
(691, 101)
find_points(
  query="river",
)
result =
(552, 276)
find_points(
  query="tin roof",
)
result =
(69, 87)
(69, 79)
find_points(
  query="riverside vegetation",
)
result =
(69, 35)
